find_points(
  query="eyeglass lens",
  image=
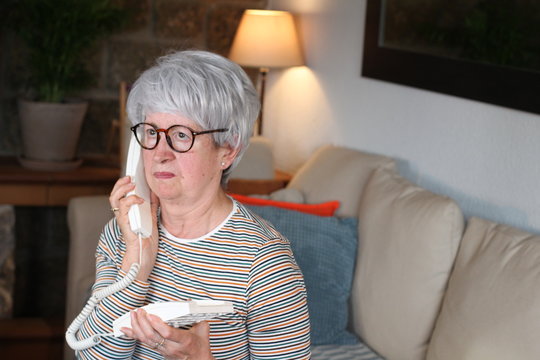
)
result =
(181, 138)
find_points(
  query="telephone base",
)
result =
(179, 313)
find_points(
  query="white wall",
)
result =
(485, 157)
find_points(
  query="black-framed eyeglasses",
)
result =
(179, 137)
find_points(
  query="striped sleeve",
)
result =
(100, 321)
(278, 323)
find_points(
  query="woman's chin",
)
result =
(164, 191)
(167, 196)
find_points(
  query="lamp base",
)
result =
(262, 82)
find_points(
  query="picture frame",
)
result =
(498, 85)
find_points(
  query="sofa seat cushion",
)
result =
(358, 351)
(492, 306)
(325, 250)
(409, 239)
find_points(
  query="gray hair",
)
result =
(205, 87)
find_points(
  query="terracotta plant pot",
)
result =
(50, 133)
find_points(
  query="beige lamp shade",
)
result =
(266, 38)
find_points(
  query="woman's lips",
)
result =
(163, 175)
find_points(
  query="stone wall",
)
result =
(154, 28)
(7, 260)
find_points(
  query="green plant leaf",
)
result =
(57, 33)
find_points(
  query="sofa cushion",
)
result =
(357, 351)
(323, 209)
(290, 195)
(409, 238)
(492, 306)
(325, 250)
(284, 194)
(337, 173)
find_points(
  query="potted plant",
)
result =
(57, 35)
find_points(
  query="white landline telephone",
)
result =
(140, 216)
(175, 313)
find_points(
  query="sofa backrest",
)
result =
(491, 309)
(408, 241)
(337, 173)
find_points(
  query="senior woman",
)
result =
(193, 114)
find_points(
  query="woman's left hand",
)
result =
(172, 343)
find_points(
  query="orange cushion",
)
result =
(323, 209)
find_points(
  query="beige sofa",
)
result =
(427, 283)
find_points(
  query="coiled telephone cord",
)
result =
(71, 332)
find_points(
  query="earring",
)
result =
(222, 164)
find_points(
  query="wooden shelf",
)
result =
(32, 338)
(25, 187)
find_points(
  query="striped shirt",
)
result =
(244, 260)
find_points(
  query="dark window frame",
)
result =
(503, 86)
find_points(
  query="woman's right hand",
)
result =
(120, 203)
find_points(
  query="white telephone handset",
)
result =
(140, 216)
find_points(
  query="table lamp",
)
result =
(266, 39)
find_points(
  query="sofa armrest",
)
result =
(86, 217)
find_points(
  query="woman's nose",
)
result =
(163, 151)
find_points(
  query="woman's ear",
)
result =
(227, 156)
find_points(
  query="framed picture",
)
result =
(430, 58)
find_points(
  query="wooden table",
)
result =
(25, 187)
